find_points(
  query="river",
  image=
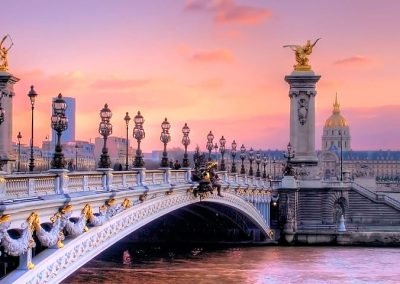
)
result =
(261, 264)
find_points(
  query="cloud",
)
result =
(228, 12)
(119, 84)
(219, 55)
(353, 60)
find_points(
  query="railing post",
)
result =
(167, 175)
(106, 179)
(188, 174)
(31, 186)
(85, 183)
(61, 181)
(141, 176)
(3, 191)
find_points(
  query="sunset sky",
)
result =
(216, 64)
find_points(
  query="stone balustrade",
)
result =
(20, 186)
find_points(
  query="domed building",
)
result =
(336, 132)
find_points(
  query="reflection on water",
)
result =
(247, 265)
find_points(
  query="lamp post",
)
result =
(76, 156)
(32, 96)
(233, 154)
(209, 145)
(59, 122)
(216, 151)
(185, 143)
(265, 161)
(2, 112)
(341, 155)
(105, 130)
(165, 138)
(242, 157)
(19, 137)
(274, 162)
(290, 155)
(222, 143)
(139, 135)
(251, 159)
(127, 118)
(258, 161)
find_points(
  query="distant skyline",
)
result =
(216, 64)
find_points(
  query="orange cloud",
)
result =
(228, 12)
(353, 60)
(119, 84)
(220, 55)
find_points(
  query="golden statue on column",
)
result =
(302, 53)
(4, 51)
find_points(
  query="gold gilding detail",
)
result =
(336, 119)
(301, 55)
(5, 218)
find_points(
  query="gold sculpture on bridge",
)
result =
(4, 52)
(302, 53)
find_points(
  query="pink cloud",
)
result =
(220, 55)
(119, 84)
(353, 60)
(228, 12)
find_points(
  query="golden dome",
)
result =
(336, 119)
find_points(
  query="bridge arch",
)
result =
(54, 265)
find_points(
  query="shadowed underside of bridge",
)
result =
(219, 218)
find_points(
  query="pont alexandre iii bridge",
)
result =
(76, 215)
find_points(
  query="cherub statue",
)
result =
(3, 53)
(301, 53)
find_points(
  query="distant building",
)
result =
(116, 150)
(337, 154)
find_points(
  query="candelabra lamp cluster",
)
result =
(165, 137)
(289, 171)
(105, 130)
(233, 154)
(185, 143)
(59, 122)
(242, 157)
(251, 159)
(139, 135)
(258, 161)
(209, 145)
(222, 143)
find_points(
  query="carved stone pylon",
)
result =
(302, 116)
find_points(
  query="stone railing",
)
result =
(376, 196)
(17, 186)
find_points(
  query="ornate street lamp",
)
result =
(59, 122)
(216, 151)
(258, 161)
(233, 154)
(32, 96)
(289, 155)
(139, 135)
(251, 159)
(127, 118)
(222, 142)
(265, 161)
(209, 145)
(105, 130)
(274, 162)
(185, 143)
(165, 138)
(76, 156)
(242, 157)
(19, 137)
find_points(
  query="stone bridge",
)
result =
(77, 215)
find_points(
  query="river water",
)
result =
(265, 264)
